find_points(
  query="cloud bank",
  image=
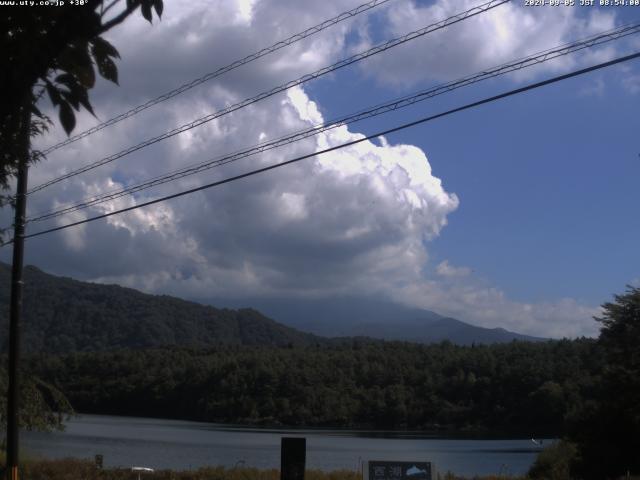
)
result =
(505, 33)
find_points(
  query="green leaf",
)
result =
(67, 117)
(54, 93)
(83, 98)
(145, 8)
(71, 96)
(75, 59)
(76, 94)
(86, 76)
(108, 69)
(158, 6)
(66, 79)
(100, 48)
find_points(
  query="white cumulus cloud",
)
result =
(505, 33)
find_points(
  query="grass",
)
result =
(75, 469)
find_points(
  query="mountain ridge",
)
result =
(70, 315)
(66, 315)
(351, 316)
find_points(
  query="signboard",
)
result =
(396, 470)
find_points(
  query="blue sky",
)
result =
(548, 183)
(519, 214)
(548, 180)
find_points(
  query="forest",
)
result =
(518, 388)
(70, 315)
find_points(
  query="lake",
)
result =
(182, 445)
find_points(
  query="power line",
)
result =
(305, 78)
(383, 108)
(222, 70)
(347, 144)
(532, 60)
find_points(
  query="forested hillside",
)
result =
(65, 315)
(524, 388)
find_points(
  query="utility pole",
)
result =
(13, 400)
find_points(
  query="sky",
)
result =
(518, 214)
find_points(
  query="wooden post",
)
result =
(13, 393)
(292, 458)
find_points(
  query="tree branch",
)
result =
(108, 7)
(118, 19)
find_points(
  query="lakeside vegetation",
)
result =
(519, 388)
(73, 469)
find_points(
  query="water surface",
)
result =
(182, 445)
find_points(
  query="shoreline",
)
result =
(441, 433)
(182, 445)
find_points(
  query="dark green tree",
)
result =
(44, 407)
(608, 430)
(554, 462)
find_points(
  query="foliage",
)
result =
(620, 333)
(43, 406)
(54, 52)
(607, 428)
(452, 476)
(479, 389)
(72, 316)
(72, 469)
(554, 462)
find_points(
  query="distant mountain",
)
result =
(66, 315)
(376, 318)
(429, 330)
